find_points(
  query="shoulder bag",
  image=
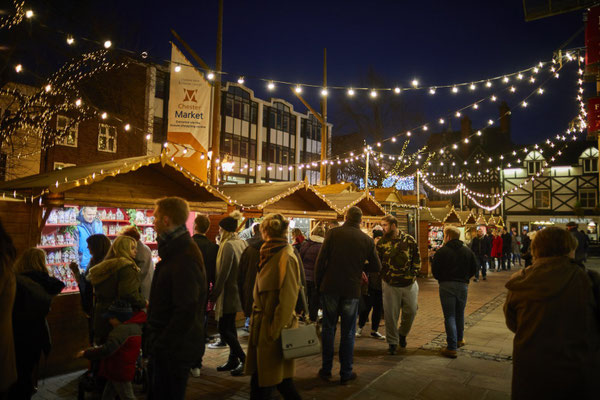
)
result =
(302, 341)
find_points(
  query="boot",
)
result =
(230, 365)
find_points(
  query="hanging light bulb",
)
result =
(127, 127)
(520, 76)
(324, 92)
(210, 76)
(107, 44)
(432, 90)
(472, 86)
(350, 92)
(476, 106)
(18, 68)
(442, 120)
(78, 102)
(458, 114)
(493, 98)
(505, 79)
(397, 90)
(48, 88)
(70, 40)
(488, 84)
(177, 68)
(415, 83)
(298, 89)
(104, 115)
(29, 14)
(271, 86)
(513, 89)
(241, 80)
(373, 93)
(490, 122)
(454, 89)
(408, 133)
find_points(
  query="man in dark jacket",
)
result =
(582, 242)
(525, 248)
(177, 303)
(481, 248)
(338, 274)
(506, 249)
(309, 251)
(209, 252)
(248, 269)
(453, 266)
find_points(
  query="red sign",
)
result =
(593, 116)
(592, 36)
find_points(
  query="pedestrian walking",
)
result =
(553, 310)
(506, 249)
(480, 246)
(119, 354)
(275, 294)
(582, 242)
(453, 266)
(338, 274)
(117, 277)
(309, 251)
(143, 259)
(209, 252)
(249, 262)
(35, 291)
(497, 244)
(489, 236)
(373, 298)
(516, 247)
(8, 289)
(401, 264)
(225, 293)
(175, 327)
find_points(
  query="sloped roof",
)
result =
(434, 214)
(337, 188)
(383, 195)
(452, 217)
(466, 217)
(569, 155)
(363, 200)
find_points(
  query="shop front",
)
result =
(69, 205)
(532, 223)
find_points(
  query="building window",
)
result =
(533, 167)
(67, 131)
(161, 84)
(590, 165)
(107, 138)
(60, 165)
(541, 198)
(587, 198)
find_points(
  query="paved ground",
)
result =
(481, 371)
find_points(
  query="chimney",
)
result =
(465, 127)
(504, 118)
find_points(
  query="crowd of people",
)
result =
(161, 312)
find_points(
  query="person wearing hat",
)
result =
(582, 242)
(225, 293)
(119, 354)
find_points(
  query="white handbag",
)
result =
(302, 341)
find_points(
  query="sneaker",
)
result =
(485, 278)
(326, 376)
(392, 349)
(460, 343)
(377, 335)
(402, 341)
(352, 377)
(358, 332)
(217, 345)
(476, 280)
(448, 353)
(195, 372)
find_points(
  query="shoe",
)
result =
(352, 377)
(217, 345)
(460, 343)
(358, 332)
(448, 353)
(476, 280)
(238, 371)
(326, 376)
(377, 335)
(392, 349)
(230, 365)
(195, 372)
(402, 341)
(485, 278)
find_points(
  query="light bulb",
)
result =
(177, 68)
(505, 79)
(532, 79)
(373, 93)
(148, 136)
(324, 92)
(48, 88)
(104, 115)
(18, 68)
(524, 104)
(78, 102)
(520, 76)
(397, 90)
(415, 82)
(298, 89)
(394, 139)
(425, 128)
(210, 76)
(107, 44)
(458, 114)
(493, 98)
(513, 89)
(271, 86)
(442, 120)
(490, 122)
(241, 80)
(432, 90)
(476, 106)
(127, 127)
(455, 146)
(454, 89)
(540, 91)
(488, 84)
(29, 14)
(70, 40)
(350, 92)
(472, 86)
(408, 133)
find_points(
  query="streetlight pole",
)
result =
(216, 126)
(367, 171)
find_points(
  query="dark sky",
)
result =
(437, 42)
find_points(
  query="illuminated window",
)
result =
(107, 138)
(68, 131)
(541, 198)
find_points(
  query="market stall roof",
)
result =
(439, 203)
(434, 215)
(500, 221)
(134, 182)
(452, 217)
(467, 217)
(481, 220)
(386, 195)
(363, 200)
(492, 221)
(337, 188)
(294, 199)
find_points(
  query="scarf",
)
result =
(166, 237)
(269, 249)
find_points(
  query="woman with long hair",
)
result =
(35, 290)
(275, 295)
(115, 277)
(8, 289)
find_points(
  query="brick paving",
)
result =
(417, 372)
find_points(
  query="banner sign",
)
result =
(593, 116)
(189, 115)
(592, 37)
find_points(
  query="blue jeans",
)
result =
(453, 296)
(334, 307)
(481, 266)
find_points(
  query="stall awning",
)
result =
(129, 182)
(293, 199)
(433, 215)
(467, 217)
(336, 188)
(481, 220)
(363, 200)
(452, 217)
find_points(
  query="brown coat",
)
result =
(8, 288)
(275, 295)
(552, 310)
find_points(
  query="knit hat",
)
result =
(230, 223)
(120, 310)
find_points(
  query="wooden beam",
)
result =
(312, 110)
(195, 56)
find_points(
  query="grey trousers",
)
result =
(396, 299)
(123, 389)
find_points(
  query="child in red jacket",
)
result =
(121, 350)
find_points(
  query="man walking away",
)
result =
(338, 274)
(453, 266)
(582, 242)
(175, 329)
(480, 246)
(506, 249)
(401, 263)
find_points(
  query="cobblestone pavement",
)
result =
(482, 370)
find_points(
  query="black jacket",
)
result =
(506, 243)
(489, 238)
(175, 329)
(454, 262)
(209, 252)
(481, 247)
(582, 245)
(341, 261)
(247, 271)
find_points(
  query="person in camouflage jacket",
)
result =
(401, 263)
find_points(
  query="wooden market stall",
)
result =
(371, 209)
(120, 193)
(403, 207)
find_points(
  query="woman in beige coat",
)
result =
(275, 295)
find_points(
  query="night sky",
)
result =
(437, 43)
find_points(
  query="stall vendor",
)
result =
(88, 225)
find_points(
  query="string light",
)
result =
(397, 90)
(107, 44)
(18, 68)
(271, 86)
(240, 80)
(373, 93)
(210, 76)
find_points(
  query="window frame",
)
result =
(541, 207)
(101, 133)
(73, 128)
(588, 191)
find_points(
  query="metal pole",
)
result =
(324, 130)
(461, 199)
(367, 172)
(216, 126)
(418, 209)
